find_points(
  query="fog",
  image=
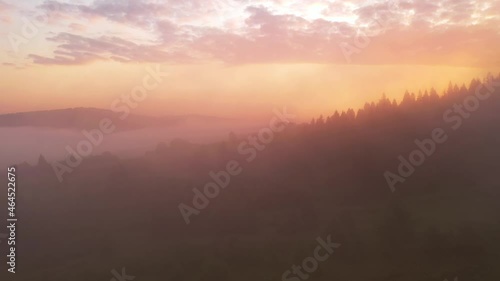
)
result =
(26, 144)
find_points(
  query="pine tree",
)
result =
(42, 162)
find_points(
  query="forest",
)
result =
(325, 178)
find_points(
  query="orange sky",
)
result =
(231, 59)
(243, 91)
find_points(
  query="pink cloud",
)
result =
(426, 31)
(75, 49)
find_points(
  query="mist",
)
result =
(52, 142)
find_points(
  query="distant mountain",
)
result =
(89, 118)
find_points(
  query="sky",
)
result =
(240, 57)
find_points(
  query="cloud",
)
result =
(450, 32)
(124, 11)
(5, 6)
(75, 49)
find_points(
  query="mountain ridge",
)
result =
(89, 117)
